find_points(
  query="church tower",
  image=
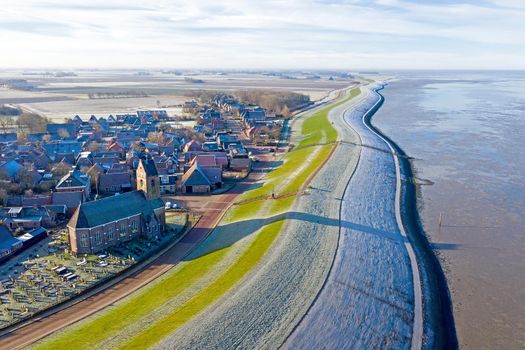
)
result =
(148, 178)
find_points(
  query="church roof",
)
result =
(103, 211)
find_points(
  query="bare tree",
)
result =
(94, 147)
(158, 138)
(63, 133)
(4, 196)
(32, 122)
(6, 123)
(60, 169)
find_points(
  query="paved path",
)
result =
(369, 300)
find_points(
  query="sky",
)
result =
(263, 34)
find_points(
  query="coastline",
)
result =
(437, 302)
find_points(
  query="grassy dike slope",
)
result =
(318, 140)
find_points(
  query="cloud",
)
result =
(287, 34)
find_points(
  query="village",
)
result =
(84, 200)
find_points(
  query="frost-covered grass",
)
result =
(297, 167)
(87, 335)
(199, 302)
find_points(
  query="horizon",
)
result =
(336, 35)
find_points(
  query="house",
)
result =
(118, 148)
(75, 181)
(226, 140)
(62, 131)
(210, 114)
(214, 175)
(114, 182)
(106, 161)
(195, 180)
(252, 115)
(119, 168)
(8, 138)
(168, 184)
(31, 238)
(84, 160)
(8, 244)
(192, 146)
(58, 149)
(210, 146)
(10, 168)
(241, 164)
(221, 158)
(29, 218)
(210, 160)
(71, 200)
(98, 225)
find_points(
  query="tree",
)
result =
(63, 133)
(32, 122)
(285, 112)
(25, 178)
(4, 196)
(94, 147)
(60, 169)
(94, 172)
(158, 138)
(22, 136)
(6, 123)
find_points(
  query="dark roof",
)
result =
(115, 179)
(69, 199)
(96, 213)
(7, 241)
(195, 176)
(149, 167)
(55, 128)
(9, 137)
(73, 179)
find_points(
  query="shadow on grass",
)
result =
(226, 235)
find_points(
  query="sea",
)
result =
(466, 134)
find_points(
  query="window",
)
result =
(84, 240)
(134, 227)
(153, 183)
(123, 230)
(111, 235)
(98, 237)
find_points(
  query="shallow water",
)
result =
(467, 133)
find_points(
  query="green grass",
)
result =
(318, 124)
(87, 335)
(210, 294)
(91, 333)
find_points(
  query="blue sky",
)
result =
(340, 34)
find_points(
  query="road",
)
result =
(370, 299)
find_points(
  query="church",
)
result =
(98, 225)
